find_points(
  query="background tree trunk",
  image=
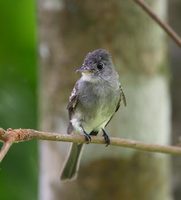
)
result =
(68, 30)
(175, 55)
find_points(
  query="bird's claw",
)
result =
(106, 138)
(87, 137)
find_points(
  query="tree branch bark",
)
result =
(5, 148)
(20, 135)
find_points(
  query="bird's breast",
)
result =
(97, 103)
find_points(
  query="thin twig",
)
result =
(164, 25)
(5, 148)
(21, 135)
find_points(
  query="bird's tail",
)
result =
(72, 164)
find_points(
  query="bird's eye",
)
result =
(100, 66)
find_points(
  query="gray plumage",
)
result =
(94, 100)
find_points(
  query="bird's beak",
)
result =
(85, 69)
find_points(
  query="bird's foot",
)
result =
(87, 137)
(106, 137)
(93, 133)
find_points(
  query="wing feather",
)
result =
(73, 100)
(122, 97)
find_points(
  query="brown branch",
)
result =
(5, 148)
(163, 25)
(20, 135)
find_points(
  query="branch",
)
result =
(20, 135)
(5, 148)
(163, 25)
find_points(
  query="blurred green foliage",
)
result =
(18, 66)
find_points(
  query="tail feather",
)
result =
(72, 164)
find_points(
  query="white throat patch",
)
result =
(87, 77)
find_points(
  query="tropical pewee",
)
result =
(95, 98)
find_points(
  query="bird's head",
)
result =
(97, 64)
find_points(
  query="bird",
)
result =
(94, 100)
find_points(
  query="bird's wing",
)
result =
(73, 100)
(122, 98)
